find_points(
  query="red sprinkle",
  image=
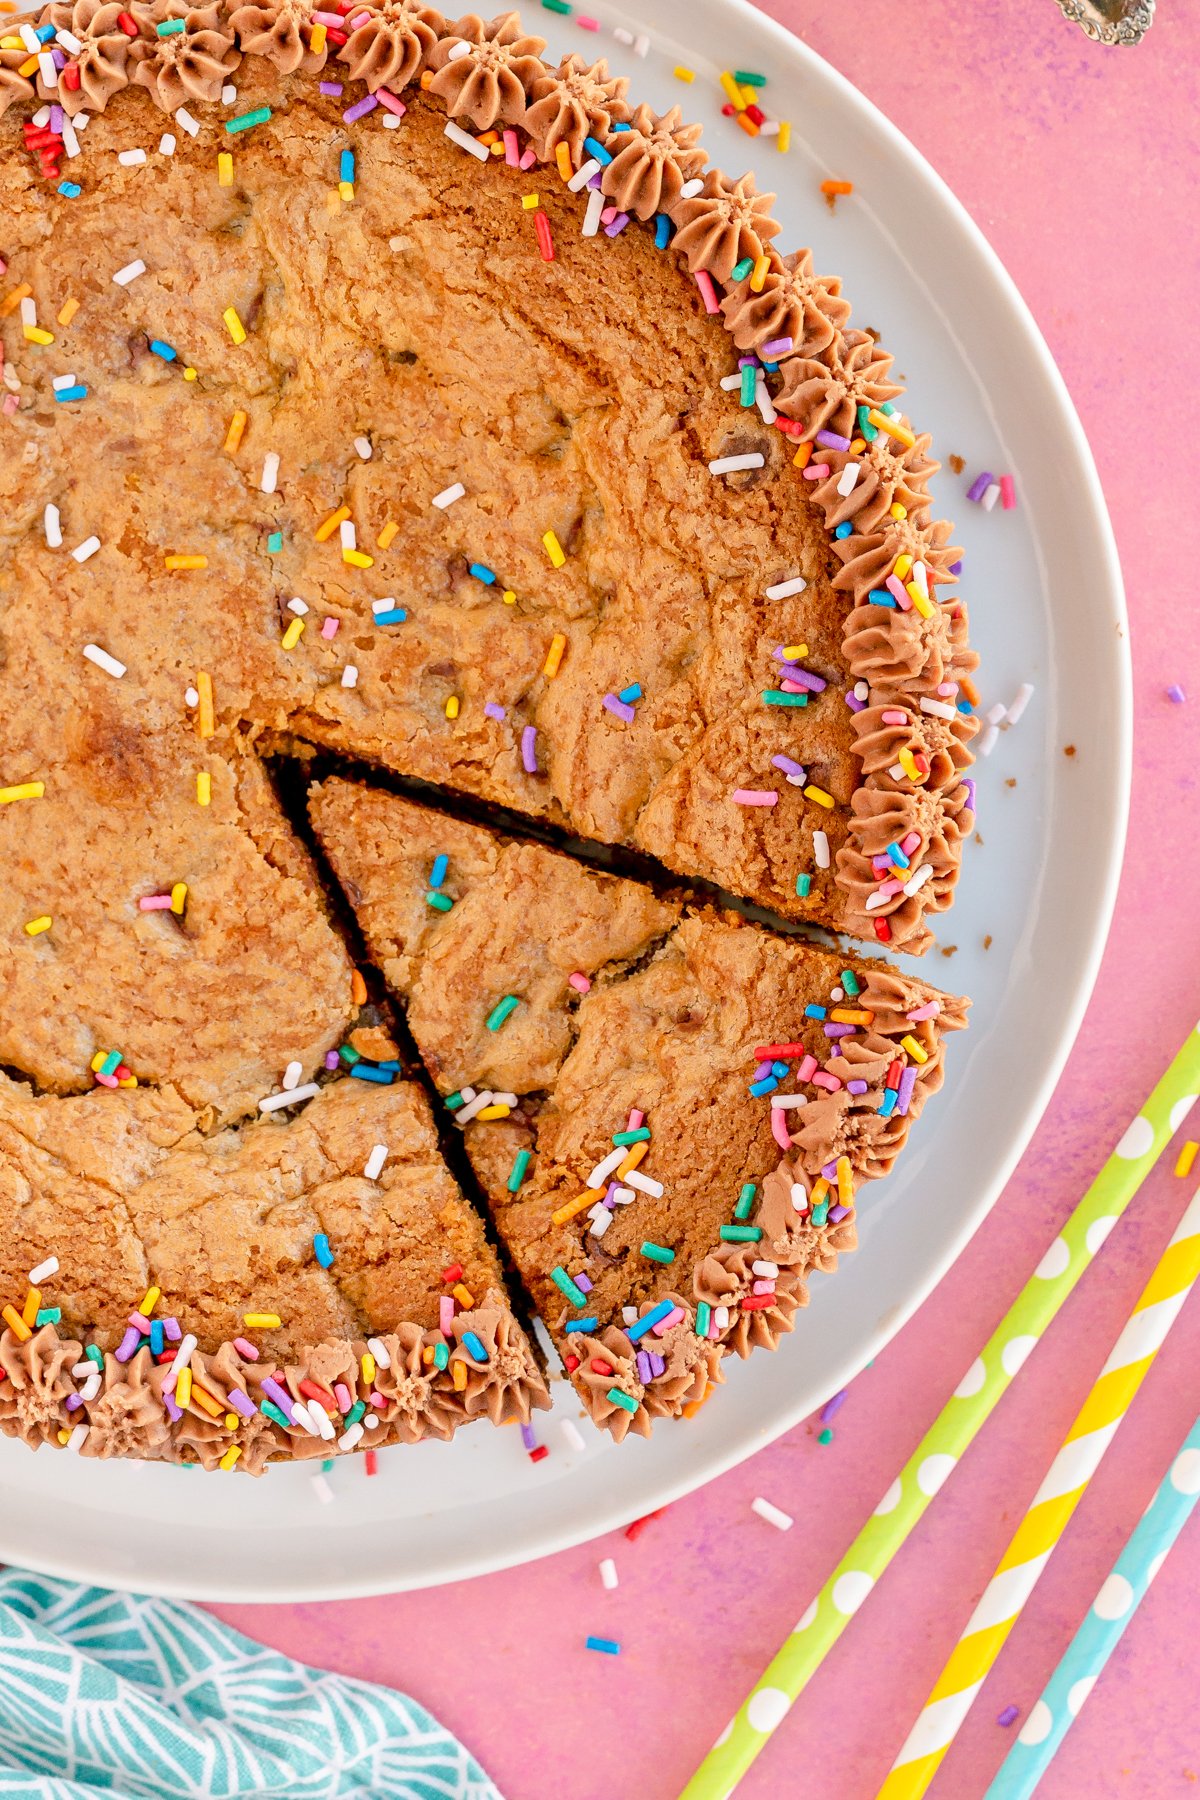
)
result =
(756, 113)
(128, 25)
(571, 1363)
(756, 1302)
(336, 37)
(371, 1459)
(453, 1273)
(541, 225)
(883, 931)
(766, 1051)
(895, 1070)
(537, 1455)
(70, 76)
(312, 1391)
(599, 1367)
(639, 1525)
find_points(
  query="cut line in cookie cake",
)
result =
(378, 393)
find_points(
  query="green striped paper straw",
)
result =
(1123, 1591)
(782, 1683)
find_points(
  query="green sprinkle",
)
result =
(275, 1415)
(169, 27)
(625, 1401)
(275, 543)
(439, 902)
(565, 1285)
(111, 1062)
(747, 78)
(498, 1014)
(850, 982)
(740, 1234)
(246, 121)
(657, 1253)
(703, 1318)
(825, 1437)
(865, 428)
(748, 385)
(803, 885)
(95, 1354)
(441, 1356)
(517, 1173)
(349, 1055)
(777, 697)
(742, 269)
(49, 1315)
(558, 6)
(745, 1201)
(356, 1412)
(453, 1102)
(327, 1465)
(820, 1212)
(632, 1137)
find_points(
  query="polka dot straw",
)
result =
(950, 1434)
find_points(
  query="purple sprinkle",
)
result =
(56, 119)
(980, 486)
(73, 1401)
(619, 707)
(331, 1059)
(789, 767)
(59, 57)
(837, 1213)
(280, 1396)
(529, 750)
(830, 1171)
(1176, 693)
(584, 1283)
(856, 1087)
(594, 181)
(242, 1403)
(331, 87)
(956, 567)
(360, 109)
(1008, 1716)
(493, 711)
(645, 1373)
(777, 347)
(618, 225)
(658, 1364)
(831, 441)
(838, 1031)
(816, 684)
(528, 1438)
(970, 787)
(882, 865)
(171, 1329)
(904, 1092)
(761, 1071)
(747, 362)
(853, 701)
(174, 1413)
(129, 1343)
(832, 1407)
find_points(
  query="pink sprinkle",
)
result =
(815, 471)
(155, 903)
(823, 1079)
(910, 843)
(11, 403)
(664, 1325)
(512, 149)
(390, 102)
(888, 888)
(140, 1323)
(755, 796)
(806, 1068)
(930, 1010)
(947, 689)
(377, 1399)
(353, 24)
(529, 749)
(108, 1081)
(779, 1128)
(894, 716)
(899, 593)
(708, 292)
(608, 214)
(328, 18)
(637, 1119)
(245, 1348)
(446, 1312)
(586, 24)
(1008, 493)
(579, 982)
(528, 159)
(329, 628)
(341, 1394)
(764, 1286)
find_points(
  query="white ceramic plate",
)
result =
(1046, 603)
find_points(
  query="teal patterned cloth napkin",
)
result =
(114, 1694)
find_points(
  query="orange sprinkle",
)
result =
(747, 124)
(70, 308)
(636, 1153)
(459, 1372)
(800, 460)
(205, 1401)
(233, 436)
(426, 78)
(328, 526)
(830, 188)
(186, 562)
(358, 988)
(206, 723)
(573, 1207)
(463, 1294)
(562, 156)
(13, 299)
(970, 691)
(16, 1324)
(851, 1015)
(388, 533)
(33, 1301)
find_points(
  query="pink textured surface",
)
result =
(1074, 162)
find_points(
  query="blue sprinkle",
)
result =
(767, 1085)
(898, 857)
(620, 128)
(43, 33)
(475, 1345)
(481, 572)
(606, 1646)
(163, 350)
(346, 167)
(631, 693)
(438, 872)
(816, 1012)
(157, 1337)
(662, 231)
(395, 615)
(583, 1325)
(595, 148)
(889, 1102)
(321, 1250)
(843, 530)
(964, 706)
(780, 1069)
(654, 1317)
(70, 190)
(275, 543)
(71, 393)
(371, 1072)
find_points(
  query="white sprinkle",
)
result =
(42, 115)
(622, 36)
(733, 465)
(449, 495)
(875, 901)
(629, 1315)
(375, 1161)
(573, 1435)
(897, 772)
(390, 122)
(622, 1196)
(990, 497)
(348, 535)
(467, 1093)
(465, 141)
(604, 1168)
(81, 120)
(104, 661)
(1021, 699)
(379, 1351)
(836, 996)
(183, 1356)
(765, 1269)
(919, 879)
(291, 1076)
(321, 1488)
(721, 1317)
(938, 708)
(690, 189)
(297, 606)
(591, 215)
(601, 1219)
(166, 144)
(646, 1183)
(821, 849)
(88, 548)
(137, 267)
(84, 1370)
(784, 1102)
(30, 39)
(363, 446)
(92, 1385)
(372, 1421)
(228, 94)
(583, 175)
(320, 1418)
(641, 44)
(987, 742)
(270, 472)
(996, 713)
(28, 310)
(43, 1272)
(78, 1437)
(920, 575)
(53, 528)
(769, 128)
(62, 381)
(386, 605)
(291, 1097)
(466, 1113)
(350, 1436)
(862, 690)
(763, 400)
(608, 1573)
(69, 137)
(183, 117)
(129, 159)
(781, 1520)
(192, 698)
(499, 1099)
(68, 40)
(783, 590)
(847, 479)
(349, 676)
(458, 50)
(729, 382)
(48, 69)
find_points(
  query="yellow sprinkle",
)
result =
(35, 927)
(328, 526)
(463, 1294)
(584, 1200)
(225, 179)
(293, 634)
(452, 713)
(902, 567)
(388, 533)
(63, 1436)
(205, 722)
(16, 1324)
(427, 1356)
(178, 896)
(857, 446)
(230, 1456)
(316, 40)
(97, 1060)
(186, 562)
(510, 599)
(758, 274)
(688, 75)
(784, 139)
(231, 1421)
(358, 559)
(819, 795)
(636, 1153)
(368, 1367)
(37, 334)
(793, 652)
(233, 436)
(496, 1111)
(897, 511)
(13, 299)
(24, 790)
(893, 427)
(732, 91)
(1186, 1157)
(908, 764)
(70, 308)
(346, 190)
(183, 1387)
(562, 156)
(820, 1191)
(236, 329)
(33, 1301)
(262, 1321)
(554, 549)
(845, 1181)
(920, 599)
(915, 1050)
(28, 68)
(189, 374)
(530, 202)
(152, 1297)
(203, 787)
(554, 655)
(459, 1372)
(127, 1081)
(497, 149)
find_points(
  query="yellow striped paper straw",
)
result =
(1049, 1513)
